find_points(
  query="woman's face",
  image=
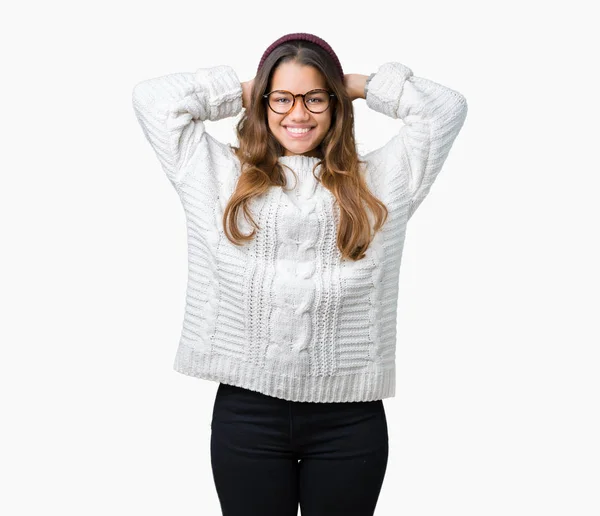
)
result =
(297, 78)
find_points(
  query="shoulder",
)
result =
(213, 162)
(386, 170)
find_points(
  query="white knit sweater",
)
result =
(284, 315)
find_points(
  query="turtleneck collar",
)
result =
(302, 165)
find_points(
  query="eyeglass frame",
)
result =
(266, 96)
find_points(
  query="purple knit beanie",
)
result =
(307, 37)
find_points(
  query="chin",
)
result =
(300, 148)
(300, 151)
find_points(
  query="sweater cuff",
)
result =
(223, 90)
(385, 88)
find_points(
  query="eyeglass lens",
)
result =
(315, 101)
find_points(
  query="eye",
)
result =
(317, 97)
(280, 98)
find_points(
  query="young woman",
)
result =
(295, 243)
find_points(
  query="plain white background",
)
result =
(497, 403)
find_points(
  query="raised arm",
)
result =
(171, 110)
(433, 115)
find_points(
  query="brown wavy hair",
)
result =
(259, 150)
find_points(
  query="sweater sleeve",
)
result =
(433, 116)
(171, 110)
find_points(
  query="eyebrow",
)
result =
(312, 89)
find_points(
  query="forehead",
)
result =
(297, 78)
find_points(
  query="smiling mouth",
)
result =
(298, 133)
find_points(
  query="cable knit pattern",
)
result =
(284, 315)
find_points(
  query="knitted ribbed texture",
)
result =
(304, 36)
(284, 315)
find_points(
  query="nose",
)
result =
(299, 110)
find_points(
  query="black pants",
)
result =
(269, 455)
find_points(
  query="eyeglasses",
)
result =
(283, 101)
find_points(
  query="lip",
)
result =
(299, 136)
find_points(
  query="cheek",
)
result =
(273, 122)
(326, 126)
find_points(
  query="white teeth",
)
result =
(298, 130)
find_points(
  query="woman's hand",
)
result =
(355, 85)
(246, 92)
